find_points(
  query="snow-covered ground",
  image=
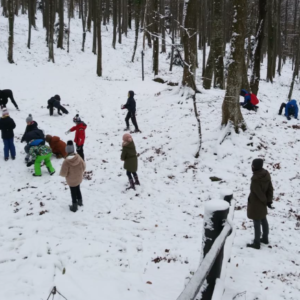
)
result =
(141, 244)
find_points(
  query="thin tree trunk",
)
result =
(270, 41)
(60, 41)
(231, 112)
(190, 46)
(51, 29)
(11, 19)
(29, 23)
(155, 32)
(83, 5)
(119, 21)
(162, 26)
(99, 52)
(279, 38)
(204, 36)
(69, 27)
(137, 27)
(115, 21)
(94, 49)
(255, 77)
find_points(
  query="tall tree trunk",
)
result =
(90, 16)
(115, 21)
(51, 29)
(190, 45)
(11, 19)
(30, 16)
(119, 21)
(99, 50)
(255, 77)
(162, 26)
(130, 13)
(137, 9)
(60, 41)
(270, 41)
(94, 49)
(69, 27)
(83, 6)
(231, 112)
(155, 32)
(172, 29)
(285, 30)
(204, 35)
(218, 45)
(279, 38)
(23, 11)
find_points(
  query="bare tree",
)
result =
(231, 112)
(137, 10)
(99, 38)
(11, 19)
(60, 41)
(155, 21)
(51, 29)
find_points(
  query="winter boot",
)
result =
(51, 173)
(264, 241)
(136, 130)
(131, 185)
(254, 245)
(80, 202)
(73, 207)
(127, 128)
(36, 175)
(6, 158)
(136, 180)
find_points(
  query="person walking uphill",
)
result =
(7, 126)
(79, 129)
(4, 95)
(261, 195)
(129, 156)
(291, 109)
(55, 102)
(72, 169)
(131, 107)
(39, 153)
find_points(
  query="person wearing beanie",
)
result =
(79, 129)
(7, 126)
(131, 107)
(55, 102)
(73, 169)
(39, 153)
(129, 156)
(4, 95)
(261, 196)
(57, 146)
(32, 132)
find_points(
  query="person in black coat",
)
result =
(7, 126)
(55, 102)
(32, 132)
(4, 95)
(131, 107)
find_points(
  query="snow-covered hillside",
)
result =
(141, 244)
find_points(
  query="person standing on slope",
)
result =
(4, 95)
(129, 156)
(261, 196)
(79, 129)
(72, 169)
(291, 109)
(7, 126)
(131, 107)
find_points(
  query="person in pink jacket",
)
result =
(72, 169)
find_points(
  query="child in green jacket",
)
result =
(39, 153)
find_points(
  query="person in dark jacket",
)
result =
(7, 126)
(261, 196)
(131, 107)
(79, 129)
(32, 132)
(55, 102)
(129, 156)
(4, 95)
(291, 109)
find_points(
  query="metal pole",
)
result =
(143, 65)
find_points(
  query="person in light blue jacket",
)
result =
(291, 109)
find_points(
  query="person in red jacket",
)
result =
(79, 129)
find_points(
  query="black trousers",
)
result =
(79, 150)
(282, 106)
(129, 174)
(60, 108)
(76, 194)
(131, 115)
(248, 106)
(257, 230)
(5, 95)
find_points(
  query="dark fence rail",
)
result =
(207, 282)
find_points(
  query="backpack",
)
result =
(253, 99)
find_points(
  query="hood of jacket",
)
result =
(73, 160)
(293, 102)
(55, 139)
(81, 125)
(261, 175)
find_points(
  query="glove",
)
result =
(123, 106)
(30, 163)
(288, 118)
(270, 205)
(67, 132)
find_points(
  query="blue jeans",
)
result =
(9, 147)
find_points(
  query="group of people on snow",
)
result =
(74, 165)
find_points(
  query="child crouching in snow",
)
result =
(37, 154)
(129, 156)
(72, 169)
